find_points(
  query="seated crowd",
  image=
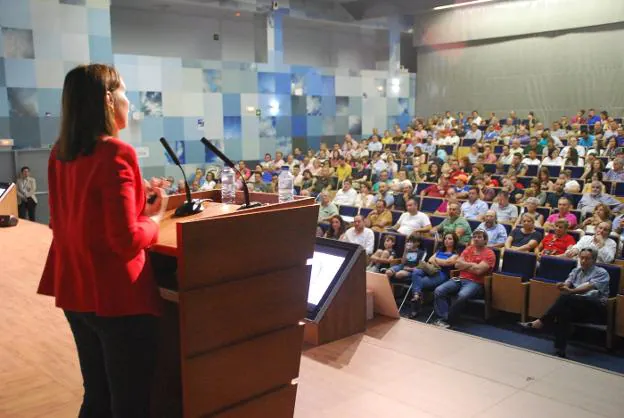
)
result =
(474, 185)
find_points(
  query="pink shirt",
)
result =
(570, 217)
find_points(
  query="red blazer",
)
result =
(97, 261)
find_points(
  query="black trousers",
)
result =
(27, 209)
(117, 360)
(573, 308)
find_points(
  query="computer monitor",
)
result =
(4, 187)
(331, 264)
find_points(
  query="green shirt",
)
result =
(327, 212)
(450, 226)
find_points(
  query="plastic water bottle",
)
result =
(228, 186)
(286, 185)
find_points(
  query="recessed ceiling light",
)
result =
(466, 3)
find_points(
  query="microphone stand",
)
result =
(229, 163)
(190, 207)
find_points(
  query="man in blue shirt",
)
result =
(592, 117)
(497, 234)
(583, 298)
(474, 208)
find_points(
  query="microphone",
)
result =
(229, 163)
(190, 207)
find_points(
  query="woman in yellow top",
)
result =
(387, 138)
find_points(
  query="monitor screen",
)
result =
(329, 262)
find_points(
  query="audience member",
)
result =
(326, 209)
(590, 201)
(413, 221)
(380, 218)
(346, 195)
(26, 195)
(524, 239)
(359, 234)
(582, 297)
(454, 224)
(564, 205)
(505, 211)
(474, 208)
(336, 228)
(497, 233)
(558, 242)
(380, 260)
(413, 254)
(474, 263)
(600, 241)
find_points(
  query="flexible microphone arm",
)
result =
(190, 207)
(230, 164)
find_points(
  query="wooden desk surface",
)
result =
(168, 239)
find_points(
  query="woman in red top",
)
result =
(97, 267)
(558, 242)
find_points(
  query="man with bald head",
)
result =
(497, 234)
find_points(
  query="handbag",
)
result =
(428, 268)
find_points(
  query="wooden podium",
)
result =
(8, 201)
(235, 286)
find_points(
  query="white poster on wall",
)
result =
(142, 152)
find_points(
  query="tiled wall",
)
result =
(40, 40)
(184, 100)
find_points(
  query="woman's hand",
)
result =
(156, 209)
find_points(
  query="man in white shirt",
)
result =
(346, 195)
(279, 162)
(532, 159)
(412, 221)
(476, 118)
(474, 133)
(572, 143)
(448, 119)
(506, 156)
(374, 145)
(474, 208)
(358, 234)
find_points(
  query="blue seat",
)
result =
(554, 269)
(577, 172)
(436, 220)
(489, 168)
(473, 224)
(351, 211)
(543, 291)
(498, 149)
(525, 181)
(376, 234)
(395, 216)
(324, 226)
(429, 246)
(615, 275)
(553, 170)
(447, 148)
(365, 211)
(430, 204)
(618, 189)
(544, 211)
(517, 263)
(575, 234)
(532, 170)
(420, 187)
(467, 142)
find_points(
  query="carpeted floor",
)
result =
(584, 347)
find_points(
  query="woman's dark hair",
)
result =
(455, 240)
(543, 170)
(415, 239)
(24, 168)
(330, 231)
(85, 115)
(573, 157)
(212, 176)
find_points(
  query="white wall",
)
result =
(306, 42)
(514, 18)
(144, 32)
(322, 44)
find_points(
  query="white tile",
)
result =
(192, 79)
(50, 74)
(149, 78)
(523, 404)
(45, 16)
(248, 100)
(75, 47)
(73, 19)
(213, 113)
(342, 85)
(371, 405)
(173, 103)
(172, 78)
(193, 104)
(577, 385)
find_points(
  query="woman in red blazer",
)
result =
(97, 267)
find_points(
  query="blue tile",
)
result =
(192, 132)
(342, 125)
(342, 106)
(315, 125)
(355, 105)
(49, 128)
(25, 131)
(134, 97)
(234, 148)
(329, 86)
(4, 103)
(314, 105)
(195, 152)
(299, 125)
(5, 131)
(232, 127)
(314, 142)
(99, 22)
(100, 49)
(2, 54)
(266, 83)
(231, 105)
(283, 126)
(2, 75)
(328, 106)
(313, 84)
(152, 129)
(49, 102)
(282, 83)
(173, 128)
(355, 125)
(20, 73)
(15, 14)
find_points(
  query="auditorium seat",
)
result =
(347, 213)
(542, 288)
(532, 170)
(395, 216)
(365, 211)
(430, 204)
(553, 170)
(618, 189)
(510, 290)
(608, 325)
(436, 220)
(577, 172)
(420, 187)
